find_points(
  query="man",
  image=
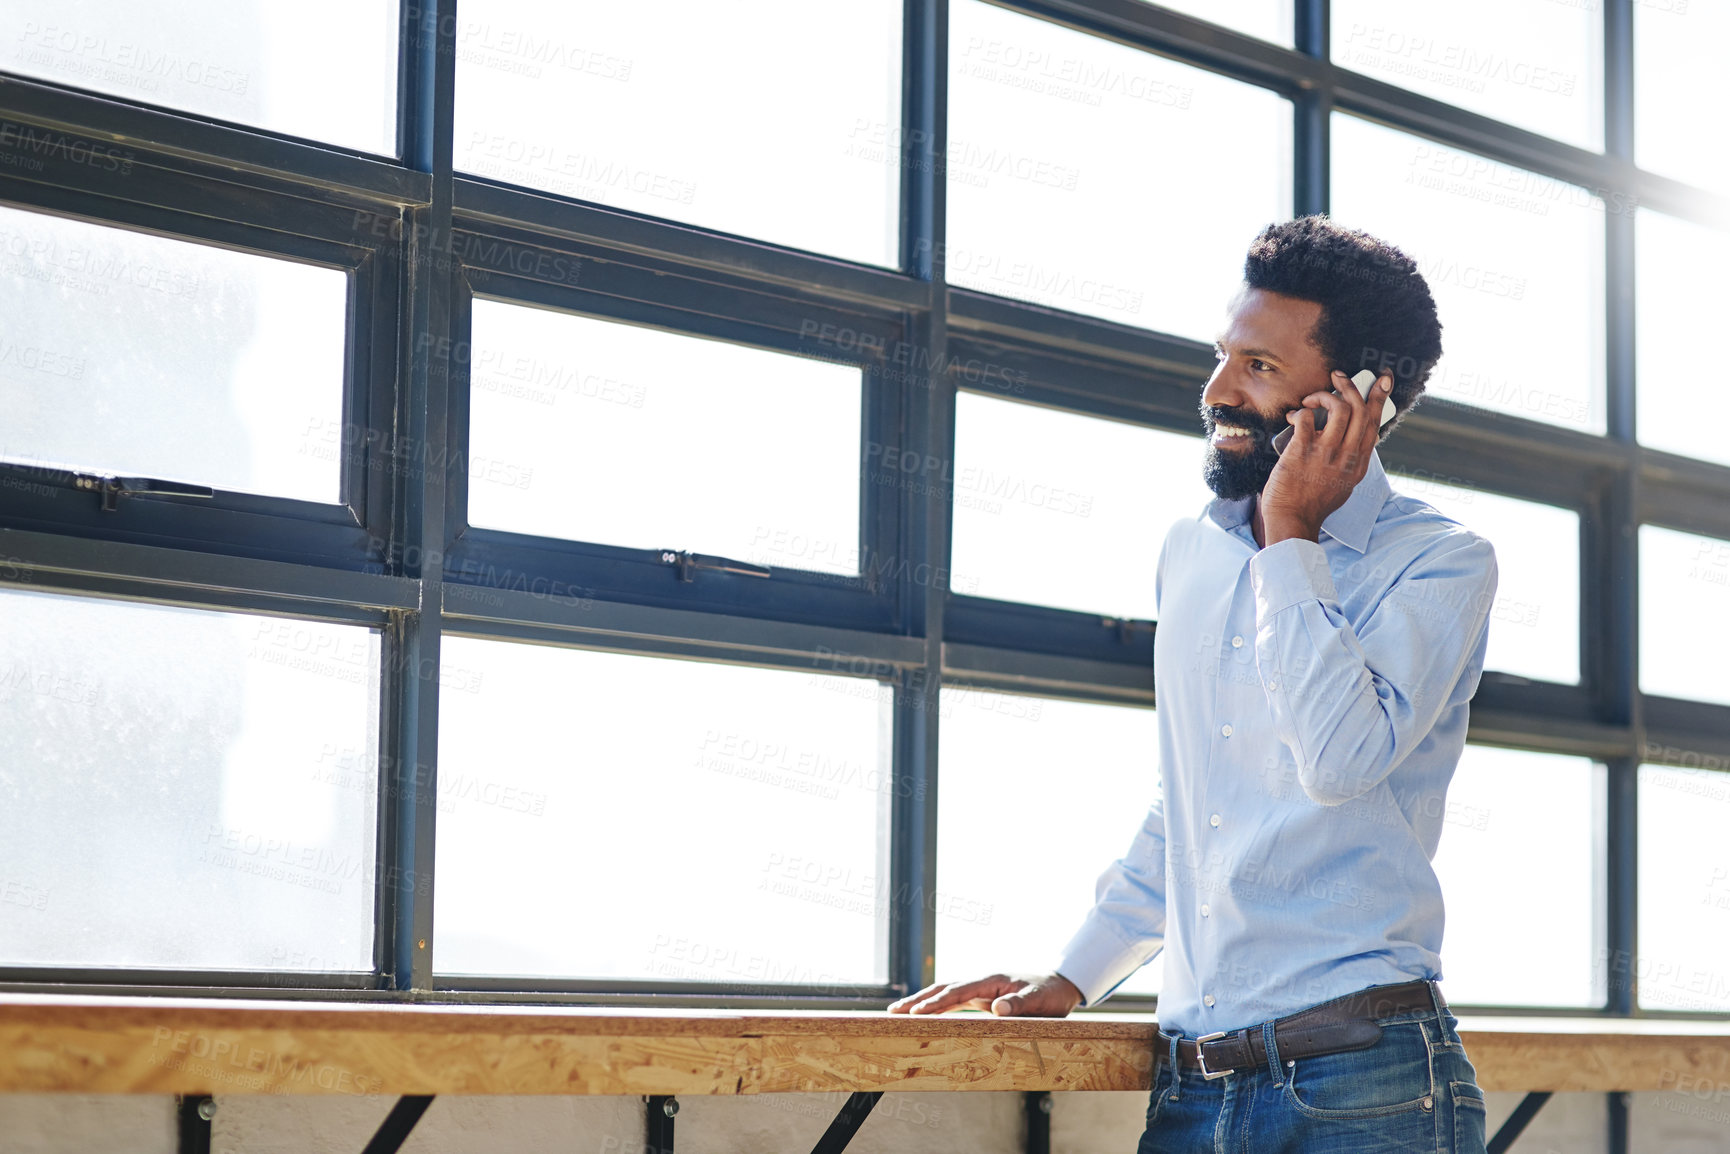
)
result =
(1319, 639)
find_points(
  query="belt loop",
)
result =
(1176, 1072)
(1268, 1043)
(1435, 991)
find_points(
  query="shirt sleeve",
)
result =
(1126, 926)
(1351, 704)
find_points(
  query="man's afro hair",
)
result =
(1377, 312)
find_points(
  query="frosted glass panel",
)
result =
(1684, 886)
(1088, 176)
(1680, 117)
(320, 69)
(681, 820)
(141, 356)
(1674, 303)
(775, 119)
(1533, 63)
(182, 788)
(1064, 510)
(1506, 252)
(605, 432)
(1520, 864)
(1268, 19)
(1684, 614)
(1015, 911)
(1535, 621)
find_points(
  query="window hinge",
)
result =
(111, 489)
(689, 563)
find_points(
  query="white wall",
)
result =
(765, 1124)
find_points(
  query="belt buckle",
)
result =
(1201, 1057)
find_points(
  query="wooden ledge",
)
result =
(108, 1045)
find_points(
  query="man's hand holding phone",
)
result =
(1318, 469)
(1006, 995)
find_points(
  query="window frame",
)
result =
(398, 551)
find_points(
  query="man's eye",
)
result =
(1259, 365)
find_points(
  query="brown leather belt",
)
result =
(1347, 1023)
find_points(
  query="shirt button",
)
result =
(1225, 731)
(1204, 910)
(1237, 642)
(1273, 685)
(1208, 1001)
(1214, 821)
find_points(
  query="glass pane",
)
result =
(1674, 304)
(1064, 510)
(697, 444)
(1679, 108)
(1016, 911)
(748, 809)
(1684, 896)
(1684, 614)
(142, 356)
(320, 69)
(182, 788)
(1521, 867)
(1506, 252)
(1071, 159)
(1269, 19)
(1536, 64)
(1535, 622)
(776, 119)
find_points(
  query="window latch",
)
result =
(111, 489)
(1127, 627)
(689, 563)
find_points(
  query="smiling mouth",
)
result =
(1232, 435)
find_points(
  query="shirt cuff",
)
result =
(1097, 960)
(1288, 573)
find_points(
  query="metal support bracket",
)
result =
(1036, 1104)
(395, 1128)
(1518, 1121)
(193, 1113)
(658, 1131)
(847, 1122)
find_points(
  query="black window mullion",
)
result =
(929, 404)
(421, 456)
(1312, 110)
(1610, 550)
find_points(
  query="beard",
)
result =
(1242, 470)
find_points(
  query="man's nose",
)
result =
(1220, 391)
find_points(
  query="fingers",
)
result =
(935, 999)
(904, 1005)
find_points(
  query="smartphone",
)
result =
(1363, 380)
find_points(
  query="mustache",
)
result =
(1264, 427)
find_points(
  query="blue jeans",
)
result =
(1414, 1090)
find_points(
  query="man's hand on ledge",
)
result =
(1006, 995)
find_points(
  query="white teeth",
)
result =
(1229, 431)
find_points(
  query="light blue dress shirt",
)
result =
(1312, 708)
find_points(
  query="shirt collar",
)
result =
(1350, 524)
